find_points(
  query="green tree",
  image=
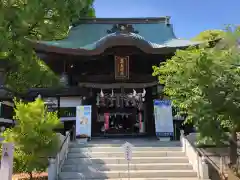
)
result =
(22, 20)
(33, 136)
(210, 35)
(205, 84)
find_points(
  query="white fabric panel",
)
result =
(69, 101)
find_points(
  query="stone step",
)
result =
(122, 167)
(158, 178)
(135, 160)
(120, 149)
(124, 174)
(143, 144)
(121, 154)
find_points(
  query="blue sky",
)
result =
(189, 17)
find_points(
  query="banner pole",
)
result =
(128, 171)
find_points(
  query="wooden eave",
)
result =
(147, 20)
(39, 47)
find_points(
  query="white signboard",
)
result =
(127, 147)
(7, 161)
(83, 121)
(163, 118)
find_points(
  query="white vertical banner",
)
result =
(163, 118)
(127, 147)
(7, 161)
(84, 121)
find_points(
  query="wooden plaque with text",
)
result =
(121, 67)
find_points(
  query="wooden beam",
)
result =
(107, 78)
(118, 85)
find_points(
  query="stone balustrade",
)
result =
(55, 164)
(197, 161)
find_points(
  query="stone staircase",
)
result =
(151, 160)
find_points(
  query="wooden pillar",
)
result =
(94, 113)
(58, 106)
(150, 124)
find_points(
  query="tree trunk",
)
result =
(233, 148)
(30, 176)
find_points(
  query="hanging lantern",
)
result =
(64, 79)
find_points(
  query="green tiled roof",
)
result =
(90, 36)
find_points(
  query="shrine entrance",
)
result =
(108, 63)
(121, 113)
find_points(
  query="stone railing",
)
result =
(195, 158)
(55, 163)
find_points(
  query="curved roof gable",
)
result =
(93, 37)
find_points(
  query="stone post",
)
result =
(204, 168)
(182, 139)
(52, 169)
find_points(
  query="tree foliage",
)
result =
(33, 136)
(205, 84)
(210, 35)
(21, 20)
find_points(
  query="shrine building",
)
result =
(107, 63)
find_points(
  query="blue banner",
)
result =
(83, 121)
(163, 118)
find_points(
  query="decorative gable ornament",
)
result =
(122, 29)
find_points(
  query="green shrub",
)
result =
(33, 136)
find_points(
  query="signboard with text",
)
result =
(163, 118)
(121, 67)
(127, 147)
(83, 121)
